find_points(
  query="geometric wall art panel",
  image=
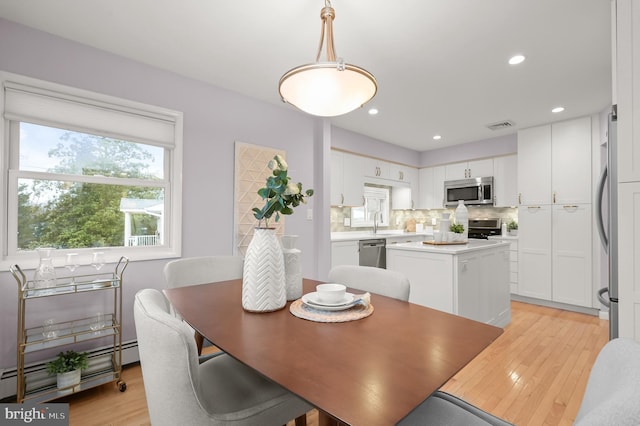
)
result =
(250, 174)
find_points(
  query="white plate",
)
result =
(311, 299)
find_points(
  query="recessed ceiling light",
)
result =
(517, 59)
(557, 109)
(373, 111)
(437, 137)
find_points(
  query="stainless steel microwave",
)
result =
(474, 191)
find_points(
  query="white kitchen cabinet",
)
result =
(471, 284)
(628, 91)
(479, 298)
(347, 180)
(554, 163)
(571, 254)
(534, 166)
(401, 198)
(571, 161)
(345, 253)
(400, 173)
(505, 180)
(431, 187)
(627, 60)
(469, 169)
(404, 196)
(376, 168)
(534, 251)
(629, 259)
(513, 260)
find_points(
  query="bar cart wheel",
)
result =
(122, 386)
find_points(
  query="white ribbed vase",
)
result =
(263, 281)
(292, 266)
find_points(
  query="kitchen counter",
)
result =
(368, 235)
(471, 246)
(470, 280)
(504, 237)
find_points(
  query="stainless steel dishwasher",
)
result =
(373, 252)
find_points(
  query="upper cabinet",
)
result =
(431, 187)
(347, 179)
(554, 163)
(571, 161)
(469, 169)
(400, 173)
(406, 197)
(534, 165)
(376, 168)
(505, 180)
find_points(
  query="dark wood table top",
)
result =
(372, 371)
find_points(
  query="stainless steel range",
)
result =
(481, 229)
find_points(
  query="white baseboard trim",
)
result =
(8, 377)
(604, 315)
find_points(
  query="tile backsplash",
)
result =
(425, 217)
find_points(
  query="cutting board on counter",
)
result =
(444, 243)
(410, 225)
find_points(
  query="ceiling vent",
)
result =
(501, 125)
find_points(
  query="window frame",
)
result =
(95, 103)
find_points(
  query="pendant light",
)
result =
(328, 88)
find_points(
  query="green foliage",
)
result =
(458, 228)
(77, 214)
(281, 195)
(512, 225)
(68, 361)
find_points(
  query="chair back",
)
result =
(612, 396)
(201, 270)
(169, 361)
(371, 279)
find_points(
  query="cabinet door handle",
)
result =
(341, 198)
(533, 208)
(412, 204)
(571, 208)
(519, 197)
(554, 197)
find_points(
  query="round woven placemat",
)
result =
(303, 311)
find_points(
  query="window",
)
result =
(376, 207)
(86, 171)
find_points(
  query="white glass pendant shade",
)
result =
(324, 90)
(328, 88)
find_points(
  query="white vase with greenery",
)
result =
(264, 280)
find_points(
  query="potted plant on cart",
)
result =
(68, 367)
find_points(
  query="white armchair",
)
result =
(220, 391)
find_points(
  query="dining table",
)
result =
(370, 371)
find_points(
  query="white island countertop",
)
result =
(470, 246)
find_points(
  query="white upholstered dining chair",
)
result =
(202, 270)
(371, 279)
(220, 391)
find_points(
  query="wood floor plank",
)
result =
(534, 374)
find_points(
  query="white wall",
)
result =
(214, 119)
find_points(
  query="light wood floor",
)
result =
(534, 374)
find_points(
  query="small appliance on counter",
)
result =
(481, 229)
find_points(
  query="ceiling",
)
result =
(441, 65)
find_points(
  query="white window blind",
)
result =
(48, 107)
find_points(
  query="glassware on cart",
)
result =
(72, 264)
(45, 274)
(98, 260)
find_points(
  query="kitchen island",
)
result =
(470, 280)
